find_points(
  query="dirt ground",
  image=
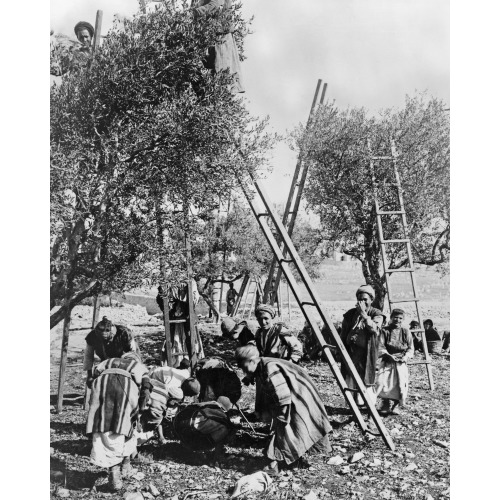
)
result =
(417, 469)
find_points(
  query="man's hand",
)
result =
(361, 308)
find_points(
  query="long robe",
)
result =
(225, 54)
(278, 343)
(283, 383)
(392, 377)
(360, 338)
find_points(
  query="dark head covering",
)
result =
(397, 311)
(414, 324)
(190, 387)
(265, 308)
(83, 25)
(429, 321)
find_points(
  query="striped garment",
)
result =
(282, 383)
(114, 401)
(278, 343)
(159, 397)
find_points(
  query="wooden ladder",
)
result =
(290, 215)
(310, 304)
(399, 211)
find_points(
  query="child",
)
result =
(395, 348)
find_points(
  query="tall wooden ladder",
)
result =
(310, 304)
(399, 210)
(290, 214)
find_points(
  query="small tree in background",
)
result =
(340, 189)
(142, 141)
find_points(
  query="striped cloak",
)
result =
(114, 401)
(283, 383)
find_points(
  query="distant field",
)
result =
(338, 284)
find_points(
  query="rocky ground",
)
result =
(365, 469)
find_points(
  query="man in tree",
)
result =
(360, 330)
(231, 296)
(84, 31)
(223, 55)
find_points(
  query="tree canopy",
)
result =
(340, 188)
(139, 135)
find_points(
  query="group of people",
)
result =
(130, 404)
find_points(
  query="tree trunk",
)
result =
(59, 315)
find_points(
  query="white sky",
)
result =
(370, 52)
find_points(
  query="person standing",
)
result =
(223, 55)
(293, 406)
(274, 341)
(395, 349)
(120, 389)
(360, 330)
(231, 296)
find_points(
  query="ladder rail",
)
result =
(293, 194)
(411, 264)
(298, 199)
(401, 212)
(315, 304)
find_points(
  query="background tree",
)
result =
(340, 188)
(138, 136)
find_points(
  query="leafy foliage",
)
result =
(340, 188)
(142, 144)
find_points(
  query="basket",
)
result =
(434, 346)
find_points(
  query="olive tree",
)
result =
(142, 142)
(340, 187)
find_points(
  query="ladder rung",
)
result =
(263, 214)
(392, 212)
(420, 363)
(286, 260)
(402, 270)
(404, 300)
(406, 240)
(177, 321)
(308, 303)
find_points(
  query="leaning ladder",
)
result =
(310, 304)
(399, 210)
(290, 215)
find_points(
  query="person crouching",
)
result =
(395, 349)
(298, 417)
(120, 389)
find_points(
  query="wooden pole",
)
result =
(64, 359)
(224, 256)
(246, 298)
(240, 294)
(166, 324)
(280, 302)
(97, 30)
(289, 306)
(95, 320)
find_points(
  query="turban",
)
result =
(224, 402)
(397, 311)
(83, 25)
(265, 308)
(227, 326)
(175, 393)
(366, 289)
(132, 355)
(190, 387)
(246, 352)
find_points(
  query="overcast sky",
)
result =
(370, 52)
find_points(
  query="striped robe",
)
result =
(284, 383)
(114, 401)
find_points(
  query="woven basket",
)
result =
(434, 346)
